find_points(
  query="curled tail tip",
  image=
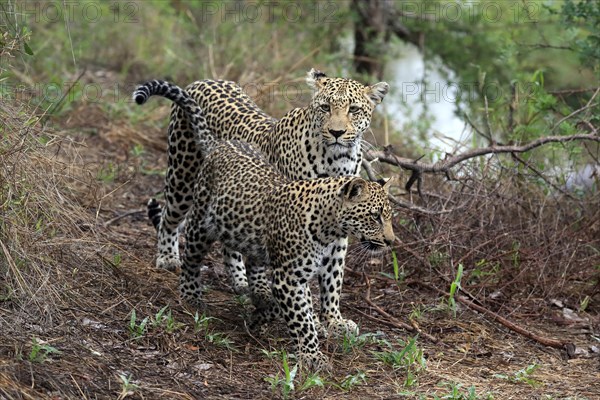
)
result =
(140, 97)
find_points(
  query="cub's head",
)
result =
(343, 108)
(366, 213)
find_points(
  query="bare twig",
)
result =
(391, 319)
(124, 215)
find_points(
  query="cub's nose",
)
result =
(388, 242)
(336, 134)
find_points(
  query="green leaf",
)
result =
(27, 49)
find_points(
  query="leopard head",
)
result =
(366, 213)
(342, 109)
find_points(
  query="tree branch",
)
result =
(388, 157)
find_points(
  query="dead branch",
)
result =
(555, 343)
(391, 319)
(387, 156)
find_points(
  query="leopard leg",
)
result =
(183, 162)
(290, 293)
(234, 265)
(331, 277)
(198, 240)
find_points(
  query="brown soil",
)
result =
(106, 273)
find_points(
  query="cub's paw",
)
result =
(339, 328)
(168, 262)
(313, 361)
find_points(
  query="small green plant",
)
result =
(107, 173)
(416, 313)
(201, 322)
(483, 268)
(220, 339)
(117, 259)
(583, 305)
(137, 150)
(242, 300)
(454, 287)
(40, 351)
(456, 393)
(522, 376)
(352, 380)
(312, 380)
(287, 382)
(127, 387)
(170, 324)
(351, 341)
(410, 359)
(395, 264)
(137, 331)
(164, 315)
(157, 320)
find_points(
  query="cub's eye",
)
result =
(354, 109)
(375, 215)
(325, 107)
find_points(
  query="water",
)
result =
(417, 92)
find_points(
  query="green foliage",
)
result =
(287, 381)
(311, 381)
(127, 386)
(454, 287)
(351, 341)
(581, 20)
(456, 393)
(40, 351)
(201, 325)
(410, 359)
(522, 376)
(137, 330)
(350, 381)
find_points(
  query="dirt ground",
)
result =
(102, 281)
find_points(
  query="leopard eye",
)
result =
(325, 107)
(375, 215)
(354, 109)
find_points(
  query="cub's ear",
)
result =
(314, 78)
(377, 92)
(355, 190)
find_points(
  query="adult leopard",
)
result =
(322, 139)
(242, 201)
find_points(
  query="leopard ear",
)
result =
(377, 92)
(355, 190)
(314, 78)
(386, 183)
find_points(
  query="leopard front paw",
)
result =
(168, 262)
(313, 361)
(341, 327)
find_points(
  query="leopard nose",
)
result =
(336, 134)
(388, 241)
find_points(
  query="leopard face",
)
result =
(343, 109)
(366, 214)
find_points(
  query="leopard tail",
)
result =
(204, 138)
(154, 211)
